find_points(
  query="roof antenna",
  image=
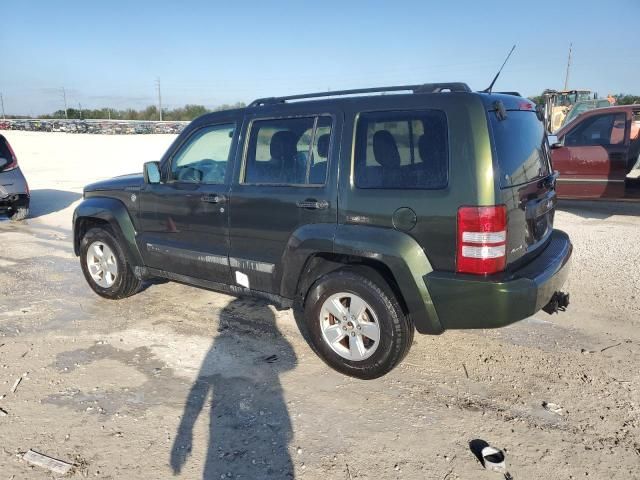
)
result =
(488, 90)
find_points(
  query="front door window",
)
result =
(204, 158)
(600, 130)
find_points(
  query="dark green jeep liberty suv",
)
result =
(376, 214)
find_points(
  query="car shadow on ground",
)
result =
(599, 209)
(46, 201)
(249, 424)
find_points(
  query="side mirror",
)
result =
(151, 172)
(553, 141)
(3, 163)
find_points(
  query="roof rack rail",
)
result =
(515, 94)
(423, 88)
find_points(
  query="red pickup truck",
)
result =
(598, 154)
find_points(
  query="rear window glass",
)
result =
(398, 150)
(520, 146)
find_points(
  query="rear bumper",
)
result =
(466, 301)
(12, 182)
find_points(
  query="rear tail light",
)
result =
(13, 161)
(482, 239)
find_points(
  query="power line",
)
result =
(159, 97)
(64, 97)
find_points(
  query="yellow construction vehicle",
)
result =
(557, 105)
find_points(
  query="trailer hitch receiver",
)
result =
(558, 303)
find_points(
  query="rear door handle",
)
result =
(312, 204)
(213, 198)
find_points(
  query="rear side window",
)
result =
(520, 145)
(397, 150)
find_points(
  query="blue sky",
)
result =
(109, 53)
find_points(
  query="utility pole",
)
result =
(159, 97)
(80, 107)
(566, 77)
(2, 105)
(64, 97)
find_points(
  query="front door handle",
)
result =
(213, 198)
(312, 204)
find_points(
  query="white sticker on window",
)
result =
(242, 279)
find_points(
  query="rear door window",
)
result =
(520, 147)
(288, 151)
(402, 150)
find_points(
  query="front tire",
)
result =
(356, 325)
(105, 266)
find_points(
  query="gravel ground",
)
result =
(185, 382)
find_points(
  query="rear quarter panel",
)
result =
(471, 179)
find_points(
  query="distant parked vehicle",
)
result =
(142, 128)
(14, 191)
(598, 154)
(93, 128)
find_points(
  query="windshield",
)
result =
(520, 146)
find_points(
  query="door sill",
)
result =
(281, 303)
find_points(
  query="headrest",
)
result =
(432, 142)
(323, 145)
(385, 149)
(283, 145)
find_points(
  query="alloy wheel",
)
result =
(349, 326)
(102, 264)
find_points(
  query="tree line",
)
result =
(186, 113)
(190, 111)
(621, 99)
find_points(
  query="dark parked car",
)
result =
(375, 215)
(598, 154)
(14, 191)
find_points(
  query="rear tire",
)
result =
(105, 266)
(373, 335)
